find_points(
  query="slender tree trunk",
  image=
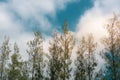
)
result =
(114, 70)
(2, 73)
(64, 71)
(53, 73)
(33, 68)
(2, 70)
(89, 67)
(39, 72)
(113, 54)
(52, 76)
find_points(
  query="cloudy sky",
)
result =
(20, 18)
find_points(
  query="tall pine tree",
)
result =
(90, 56)
(66, 43)
(36, 56)
(80, 61)
(54, 62)
(4, 57)
(112, 49)
(14, 72)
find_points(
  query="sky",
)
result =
(20, 18)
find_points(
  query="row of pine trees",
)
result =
(58, 64)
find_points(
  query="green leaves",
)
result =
(112, 46)
(85, 62)
(35, 52)
(4, 56)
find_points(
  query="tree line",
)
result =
(58, 64)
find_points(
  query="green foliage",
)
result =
(112, 49)
(66, 45)
(80, 61)
(54, 60)
(4, 57)
(14, 71)
(65, 27)
(86, 61)
(35, 53)
(90, 56)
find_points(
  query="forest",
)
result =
(58, 64)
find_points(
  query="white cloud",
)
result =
(38, 9)
(31, 9)
(11, 26)
(94, 20)
(27, 8)
(7, 22)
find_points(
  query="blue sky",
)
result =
(20, 18)
(72, 11)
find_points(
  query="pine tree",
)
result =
(54, 62)
(66, 43)
(90, 56)
(112, 49)
(80, 61)
(4, 57)
(36, 56)
(15, 66)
